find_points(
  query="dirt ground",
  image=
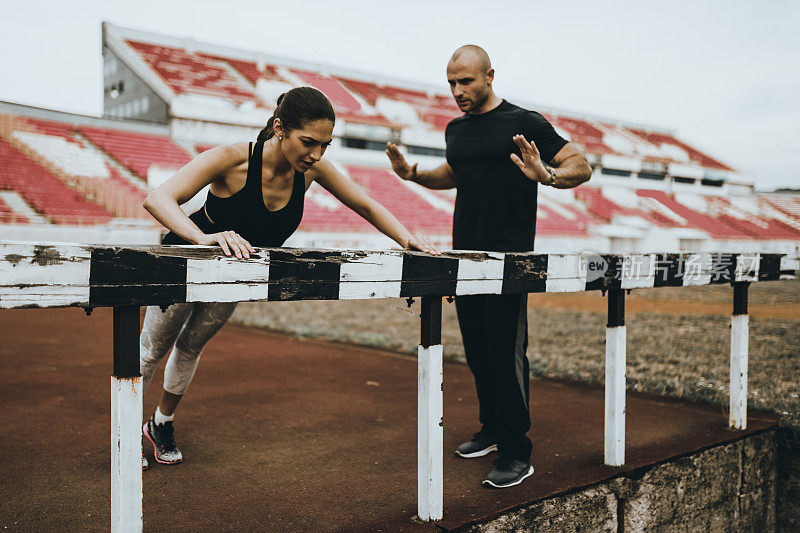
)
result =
(286, 434)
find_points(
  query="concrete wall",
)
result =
(788, 498)
(729, 487)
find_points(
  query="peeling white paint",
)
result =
(615, 396)
(740, 329)
(126, 452)
(430, 452)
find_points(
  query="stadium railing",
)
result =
(40, 275)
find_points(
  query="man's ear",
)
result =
(489, 76)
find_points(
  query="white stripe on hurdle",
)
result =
(126, 455)
(430, 454)
(481, 276)
(615, 396)
(564, 274)
(46, 276)
(222, 279)
(375, 275)
(740, 329)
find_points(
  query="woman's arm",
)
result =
(164, 201)
(354, 197)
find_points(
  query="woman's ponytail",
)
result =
(267, 133)
(296, 108)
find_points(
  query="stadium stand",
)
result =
(717, 228)
(138, 151)
(786, 204)
(581, 132)
(411, 209)
(9, 216)
(323, 213)
(185, 71)
(697, 156)
(647, 183)
(82, 166)
(44, 191)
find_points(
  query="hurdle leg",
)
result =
(430, 458)
(126, 424)
(740, 329)
(614, 426)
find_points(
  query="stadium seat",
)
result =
(187, 72)
(8, 216)
(138, 151)
(697, 156)
(45, 192)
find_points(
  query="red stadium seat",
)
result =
(45, 192)
(8, 216)
(717, 228)
(187, 72)
(138, 151)
(695, 155)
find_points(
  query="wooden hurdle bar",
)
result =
(126, 278)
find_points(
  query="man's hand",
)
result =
(531, 163)
(399, 165)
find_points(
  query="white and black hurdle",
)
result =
(126, 278)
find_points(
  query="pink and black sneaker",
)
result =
(163, 438)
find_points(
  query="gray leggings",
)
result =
(189, 326)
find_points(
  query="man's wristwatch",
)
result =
(552, 171)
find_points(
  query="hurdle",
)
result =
(41, 275)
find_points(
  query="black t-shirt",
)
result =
(495, 206)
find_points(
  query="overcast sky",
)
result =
(724, 74)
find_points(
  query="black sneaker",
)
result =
(482, 443)
(507, 472)
(163, 438)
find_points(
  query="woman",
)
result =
(255, 199)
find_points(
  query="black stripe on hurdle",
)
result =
(769, 267)
(126, 341)
(440, 275)
(524, 273)
(612, 277)
(314, 276)
(723, 268)
(122, 277)
(669, 270)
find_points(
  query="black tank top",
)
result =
(245, 212)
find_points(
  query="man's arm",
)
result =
(441, 177)
(571, 167)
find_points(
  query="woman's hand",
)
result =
(228, 241)
(418, 242)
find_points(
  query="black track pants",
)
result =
(494, 329)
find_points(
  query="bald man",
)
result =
(497, 156)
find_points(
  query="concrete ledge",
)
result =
(730, 487)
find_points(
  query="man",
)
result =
(496, 157)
